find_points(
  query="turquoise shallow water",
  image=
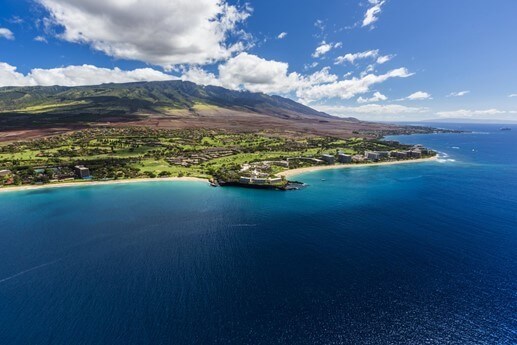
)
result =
(418, 253)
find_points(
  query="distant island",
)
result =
(114, 132)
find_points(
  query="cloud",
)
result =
(253, 73)
(324, 48)
(40, 39)
(15, 20)
(512, 95)
(311, 65)
(282, 35)
(384, 59)
(469, 113)
(250, 72)
(377, 97)
(159, 32)
(6, 33)
(458, 94)
(369, 54)
(200, 76)
(348, 88)
(372, 14)
(418, 96)
(370, 110)
(351, 58)
(76, 76)
(242, 72)
(321, 27)
(10, 77)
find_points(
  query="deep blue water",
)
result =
(409, 254)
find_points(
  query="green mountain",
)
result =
(34, 112)
(164, 97)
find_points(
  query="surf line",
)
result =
(29, 270)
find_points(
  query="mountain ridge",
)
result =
(135, 97)
(38, 111)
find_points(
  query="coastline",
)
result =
(293, 172)
(287, 174)
(100, 183)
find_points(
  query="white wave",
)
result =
(441, 160)
(28, 270)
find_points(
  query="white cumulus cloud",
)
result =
(418, 96)
(40, 39)
(352, 57)
(159, 32)
(282, 35)
(250, 72)
(6, 33)
(377, 97)
(253, 73)
(458, 94)
(76, 76)
(324, 48)
(199, 76)
(372, 14)
(384, 59)
(348, 88)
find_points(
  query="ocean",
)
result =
(421, 253)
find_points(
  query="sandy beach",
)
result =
(101, 183)
(288, 174)
(293, 172)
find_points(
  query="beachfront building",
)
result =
(5, 172)
(329, 159)
(415, 153)
(372, 156)
(383, 154)
(245, 180)
(358, 158)
(399, 155)
(260, 180)
(81, 171)
(283, 164)
(344, 158)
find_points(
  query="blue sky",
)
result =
(372, 59)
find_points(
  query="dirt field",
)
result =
(22, 127)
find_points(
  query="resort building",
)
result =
(4, 173)
(260, 180)
(399, 155)
(415, 153)
(344, 158)
(423, 150)
(329, 159)
(372, 156)
(245, 180)
(81, 171)
(383, 154)
(358, 158)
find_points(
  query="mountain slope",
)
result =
(31, 112)
(145, 97)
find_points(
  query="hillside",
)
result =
(153, 97)
(27, 112)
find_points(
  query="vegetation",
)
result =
(133, 152)
(130, 98)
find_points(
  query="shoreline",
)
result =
(294, 172)
(100, 183)
(287, 174)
